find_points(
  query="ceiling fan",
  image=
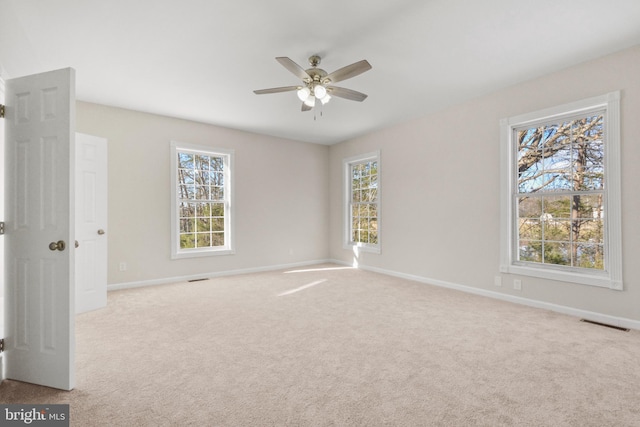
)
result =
(317, 85)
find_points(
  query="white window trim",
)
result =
(229, 248)
(612, 276)
(346, 179)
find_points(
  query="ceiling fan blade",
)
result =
(349, 71)
(276, 90)
(305, 107)
(342, 92)
(294, 68)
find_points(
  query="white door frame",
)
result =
(2, 284)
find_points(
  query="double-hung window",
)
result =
(201, 199)
(362, 202)
(561, 193)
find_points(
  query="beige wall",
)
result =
(440, 188)
(440, 191)
(281, 195)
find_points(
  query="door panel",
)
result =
(91, 222)
(39, 201)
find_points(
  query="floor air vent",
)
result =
(198, 280)
(605, 325)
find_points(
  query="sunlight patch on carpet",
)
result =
(308, 285)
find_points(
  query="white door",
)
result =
(39, 255)
(91, 222)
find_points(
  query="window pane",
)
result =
(187, 225)
(217, 193)
(530, 207)
(588, 148)
(185, 160)
(590, 206)
(187, 241)
(202, 177)
(187, 210)
(589, 256)
(557, 230)
(202, 192)
(185, 176)
(217, 178)
(529, 162)
(203, 224)
(558, 207)
(589, 230)
(202, 162)
(373, 210)
(202, 209)
(373, 224)
(217, 239)
(203, 240)
(217, 164)
(217, 209)
(217, 224)
(530, 229)
(557, 253)
(187, 192)
(530, 250)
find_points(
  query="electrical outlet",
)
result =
(123, 266)
(497, 280)
(517, 284)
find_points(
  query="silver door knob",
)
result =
(101, 232)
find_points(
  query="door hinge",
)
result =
(1, 345)
(1, 111)
(1, 227)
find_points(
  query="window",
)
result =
(561, 204)
(201, 199)
(362, 202)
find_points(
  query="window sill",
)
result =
(601, 280)
(195, 253)
(359, 247)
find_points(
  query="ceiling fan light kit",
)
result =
(317, 84)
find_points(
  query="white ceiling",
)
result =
(202, 59)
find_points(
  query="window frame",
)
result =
(611, 276)
(227, 155)
(347, 164)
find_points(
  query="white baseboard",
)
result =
(571, 311)
(168, 280)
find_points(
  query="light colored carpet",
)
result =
(349, 348)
